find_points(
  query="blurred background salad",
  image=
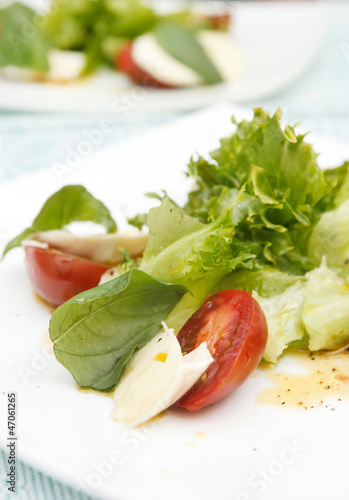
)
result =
(99, 31)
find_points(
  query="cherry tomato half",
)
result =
(235, 329)
(58, 276)
(125, 63)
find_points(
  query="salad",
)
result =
(73, 39)
(254, 263)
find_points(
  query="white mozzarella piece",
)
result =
(34, 243)
(155, 61)
(156, 377)
(103, 248)
(225, 54)
(65, 65)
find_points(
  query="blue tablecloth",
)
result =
(29, 141)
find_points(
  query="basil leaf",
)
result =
(96, 332)
(16, 242)
(22, 43)
(69, 204)
(182, 44)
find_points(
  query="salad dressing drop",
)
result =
(322, 379)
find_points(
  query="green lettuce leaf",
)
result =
(96, 332)
(281, 298)
(339, 179)
(310, 313)
(70, 204)
(330, 238)
(188, 250)
(22, 42)
(326, 309)
(342, 192)
(266, 282)
(284, 319)
(167, 224)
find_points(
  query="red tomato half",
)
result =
(58, 276)
(235, 329)
(126, 64)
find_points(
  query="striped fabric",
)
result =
(33, 485)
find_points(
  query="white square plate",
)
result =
(234, 450)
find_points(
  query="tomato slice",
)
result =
(235, 329)
(58, 276)
(125, 63)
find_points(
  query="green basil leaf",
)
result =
(16, 242)
(182, 44)
(22, 43)
(96, 332)
(69, 204)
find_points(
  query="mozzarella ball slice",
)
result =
(154, 60)
(65, 65)
(156, 377)
(104, 248)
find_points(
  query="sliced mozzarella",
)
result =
(103, 248)
(225, 54)
(65, 65)
(154, 60)
(156, 377)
